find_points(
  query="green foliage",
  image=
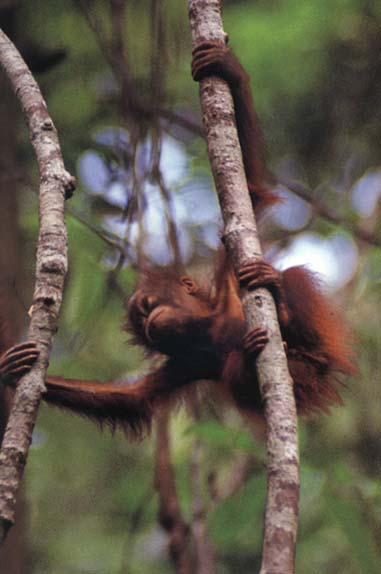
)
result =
(91, 495)
(348, 517)
(223, 438)
(237, 521)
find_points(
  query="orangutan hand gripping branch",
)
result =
(201, 331)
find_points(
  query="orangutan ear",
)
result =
(188, 284)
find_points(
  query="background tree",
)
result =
(127, 114)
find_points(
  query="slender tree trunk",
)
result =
(242, 243)
(51, 265)
(13, 559)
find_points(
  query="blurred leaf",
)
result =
(349, 518)
(240, 515)
(311, 485)
(224, 437)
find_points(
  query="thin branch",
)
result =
(321, 209)
(193, 126)
(111, 239)
(170, 516)
(51, 266)
(241, 240)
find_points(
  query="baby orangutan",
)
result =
(201, 332)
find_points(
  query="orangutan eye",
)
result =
(147, 304)
(189, 285)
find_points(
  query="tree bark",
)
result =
(14, 553)
(242, 243)
(51, 266)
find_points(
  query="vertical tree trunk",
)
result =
(13, 553)
(242, 243)
(51, 265)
